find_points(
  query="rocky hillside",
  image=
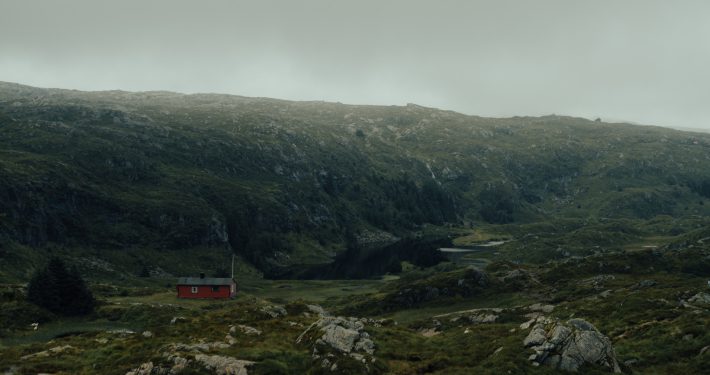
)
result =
(289, 183)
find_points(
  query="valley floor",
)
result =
(448, 319)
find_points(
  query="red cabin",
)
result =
(206, 287)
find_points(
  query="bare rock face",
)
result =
(568, 346)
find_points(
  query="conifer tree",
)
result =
(60, 290)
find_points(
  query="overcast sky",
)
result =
(642, 61)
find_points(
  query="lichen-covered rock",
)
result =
(568, 346)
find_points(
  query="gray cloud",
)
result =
(643, 61)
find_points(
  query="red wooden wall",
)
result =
(203, 291)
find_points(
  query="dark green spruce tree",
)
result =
(60, 290)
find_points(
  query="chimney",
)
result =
(202, 275)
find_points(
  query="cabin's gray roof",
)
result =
(204, 281)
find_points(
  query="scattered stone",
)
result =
(144, 369)
(482, 318)
(245, 329)
(176, 319)
(704, 350)
(597, 281)
(701, 298)
(568, 346)
(514, 274)
(631, 362)
(121, 332)
(605, 293)
(199, 347)
(48, 352)
(431, 332)
(147, 334)
(224, 365)
(274, 311)
(102, 340)
(538, 307)
(645, 284)
(315, 309)
(229, 339)
(527, 324)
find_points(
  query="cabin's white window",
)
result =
(193, 290)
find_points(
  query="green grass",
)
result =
(64, 327)
(283, 291)
(433, 309)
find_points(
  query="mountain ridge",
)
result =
(287, 183)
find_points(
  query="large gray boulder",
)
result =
(336, 339)
(570, 345)
(346, 335)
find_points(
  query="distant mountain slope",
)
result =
(287, 183)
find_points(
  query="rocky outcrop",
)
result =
(222, 365)
(145, 369)
(475, 316)
(177, 357)
(337, 339)
(473, 281)
(274, 311)
(318, 310)
(568, 346)
(701, 298)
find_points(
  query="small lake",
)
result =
(476, 255)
